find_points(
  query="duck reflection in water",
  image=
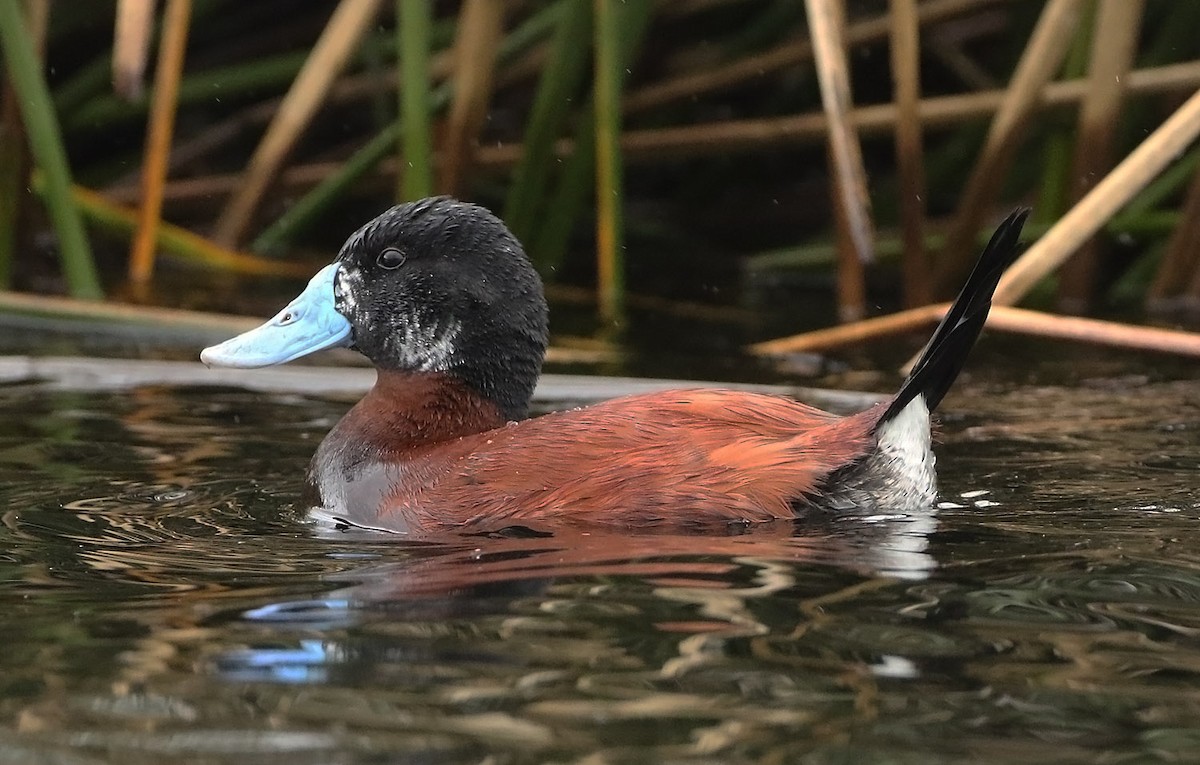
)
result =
(473, 577)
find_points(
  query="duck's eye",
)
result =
(390, 258)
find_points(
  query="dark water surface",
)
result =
(164, 601)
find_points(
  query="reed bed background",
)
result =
(661, 154)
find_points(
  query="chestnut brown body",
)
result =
(422, 452)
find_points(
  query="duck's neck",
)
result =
(406, 410)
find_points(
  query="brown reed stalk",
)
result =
(826, 23)
(851, 274)
(159, 132)
(610, 234)
(1110, 333)
(878, 119)
(853, 333)
(910, 156)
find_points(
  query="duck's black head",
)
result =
(436, 285)
(440, 285)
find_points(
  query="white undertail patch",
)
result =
(906, 437)
(905, 451)
(897, 476)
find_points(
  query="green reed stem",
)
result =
(45, 141)
(415, 180)
(553, 232)
(610, 222)
(550, 243)
(562, 76)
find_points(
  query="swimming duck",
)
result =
(439, 295)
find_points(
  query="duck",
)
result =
(441, 298)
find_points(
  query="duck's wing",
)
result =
(683, 457)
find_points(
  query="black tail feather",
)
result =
(944, 356)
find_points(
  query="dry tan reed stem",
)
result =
(850, 334)
(910, 159)
(826, 21)
(1110, 333)
(1114, 44)
(158, 138)
(131, 47)
(1004, 318)
(789, 54)
(851, 203)
(480, 28)
(1110, 195)
(1040, 61)
(724, 137)
(333, 49)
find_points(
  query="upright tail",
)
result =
(944, 356)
